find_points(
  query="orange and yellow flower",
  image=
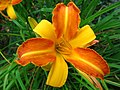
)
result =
(63, 41)
(9, 5)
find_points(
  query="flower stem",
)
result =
(5, 57)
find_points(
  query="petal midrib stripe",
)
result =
(36, 52)
(66, 19)
(90, 64)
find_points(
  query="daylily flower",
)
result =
(9, 5)
(63, 41)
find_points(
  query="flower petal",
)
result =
(38, 51)
(89, 61)
(11, 12)
(45, 29)
(14, 2)
(83, 38)
(58, 19)
(72, 26)
(4, 4)
(63, 17)
(58, 72)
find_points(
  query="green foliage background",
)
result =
(102, 15)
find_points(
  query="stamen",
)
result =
(63, 47)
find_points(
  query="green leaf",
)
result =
(91, 18)
(18, 77)
(5, 81)
(116, 36)
(113, 83)
(87, 11)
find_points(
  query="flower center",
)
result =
(63, 47)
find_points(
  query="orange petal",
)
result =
(4, 4)
(63, 17)
(38, 51)
(89, 61)
(73, 21)
(58, 19)
(14, 2)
